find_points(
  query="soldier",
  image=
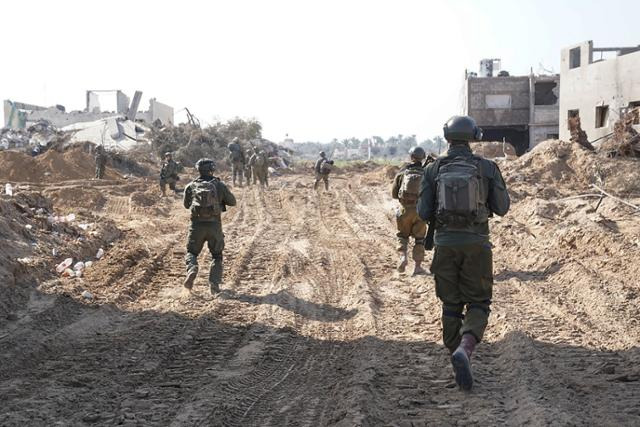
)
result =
(459, 192)
(168, 173)
(207, 197)
(260, 165)
(236, 155)
(406, 189)
(101, 161)
(248, 173)
(322, 170)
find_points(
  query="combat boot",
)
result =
(461, 361)
(214, 287)
(191, 277)
(402, 264)
(418, 270)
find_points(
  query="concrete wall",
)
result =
(478, 88)
(614, 82)
(157, 111)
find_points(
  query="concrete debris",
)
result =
(35, 138)
(578, 135)
(113, 133)
(625, 141)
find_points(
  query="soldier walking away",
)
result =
(248, 172)
(260, 166)
(406, 189)
(322, 168)
(168, 174)
(207, 197)
(459, 192)
(236, 155)
(101, 161)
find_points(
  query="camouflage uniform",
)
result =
(209, 231)
(248, 170)
(319, 175)
(168, 175)
(408, 222)
(237, 162)
(260, 165)
(462, 263)
(101, 161)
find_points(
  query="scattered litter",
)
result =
(85, 227)
(28, 226)
(8, 189)
(87, 295)
(25, 260)
(88, 264)
(100, 253)
(79, 266)
(54, 219)
(54, 252)
(60, 268)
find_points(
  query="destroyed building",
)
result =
(599, 85)
(521, 110)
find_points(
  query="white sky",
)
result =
(312, 69)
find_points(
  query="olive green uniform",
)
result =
(248, 171)
(408, 222)
(101, 161)
(324, 177)
(209, 231)
(168, 175)
(462, 263)
(260, 165)
(237, 162)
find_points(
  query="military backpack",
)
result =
(460, 200)
(410, 185)
(326, 167)
(206, 201)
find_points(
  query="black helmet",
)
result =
(322, 154)
(462, 128)
(205, 166)
(417, 153)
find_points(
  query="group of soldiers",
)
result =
(253, 164)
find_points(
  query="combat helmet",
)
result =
(322, 154)
(462, 128)
(417, 153)
(205, 166)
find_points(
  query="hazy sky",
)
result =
(312, 69)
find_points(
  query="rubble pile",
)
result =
(34, 139)
(625, 141)
(578, 135)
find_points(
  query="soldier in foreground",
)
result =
(168, 174)
(207, 197)
(406, 189)
(101, 161)
(459, 192)
(322, 169)
(238, 161)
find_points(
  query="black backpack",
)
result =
(461, 198)
(206, 202)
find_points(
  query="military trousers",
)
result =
(262, 174)
(171, 181)
(99, 171)
(237, 171)
(199, 234)
(464, 284)
(409, 224)
(321, 177)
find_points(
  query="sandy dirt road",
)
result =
(314, 327)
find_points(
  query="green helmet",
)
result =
(462, 128)
(417, 153)
(205, 166)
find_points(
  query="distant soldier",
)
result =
(459, 192)
(168, 173)
(248, 173)
(101, 161)
(236, 155)
(207, 197)
(322, 168)
(406, 189)
(260, 165)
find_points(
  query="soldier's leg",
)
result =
(195, 241)
(240, 169)
(266, 177)
(216, 247)
(445, 269)
(403, 224)
(163, 186)
(476, 286)
(325, 178)
(418, 232)
(172, 184)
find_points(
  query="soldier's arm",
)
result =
(499, 201)
(426, 199)
(187, 198)
(395, 187)
(317, 166)
(227, 199)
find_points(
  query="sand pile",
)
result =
(567, 167)
(74, 162)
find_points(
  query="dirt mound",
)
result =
(494, 149)
(74, 162)
(566, 167)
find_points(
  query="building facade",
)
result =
(598, 85)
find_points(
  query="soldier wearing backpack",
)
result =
(207, 197)
(259, 162)
(406, 189)
(236, 155)
(459, 192)
(322, 168)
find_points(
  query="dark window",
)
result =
(570, 115)
(574, 57)
(553, 136)
(544, 93)
(602, 116)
